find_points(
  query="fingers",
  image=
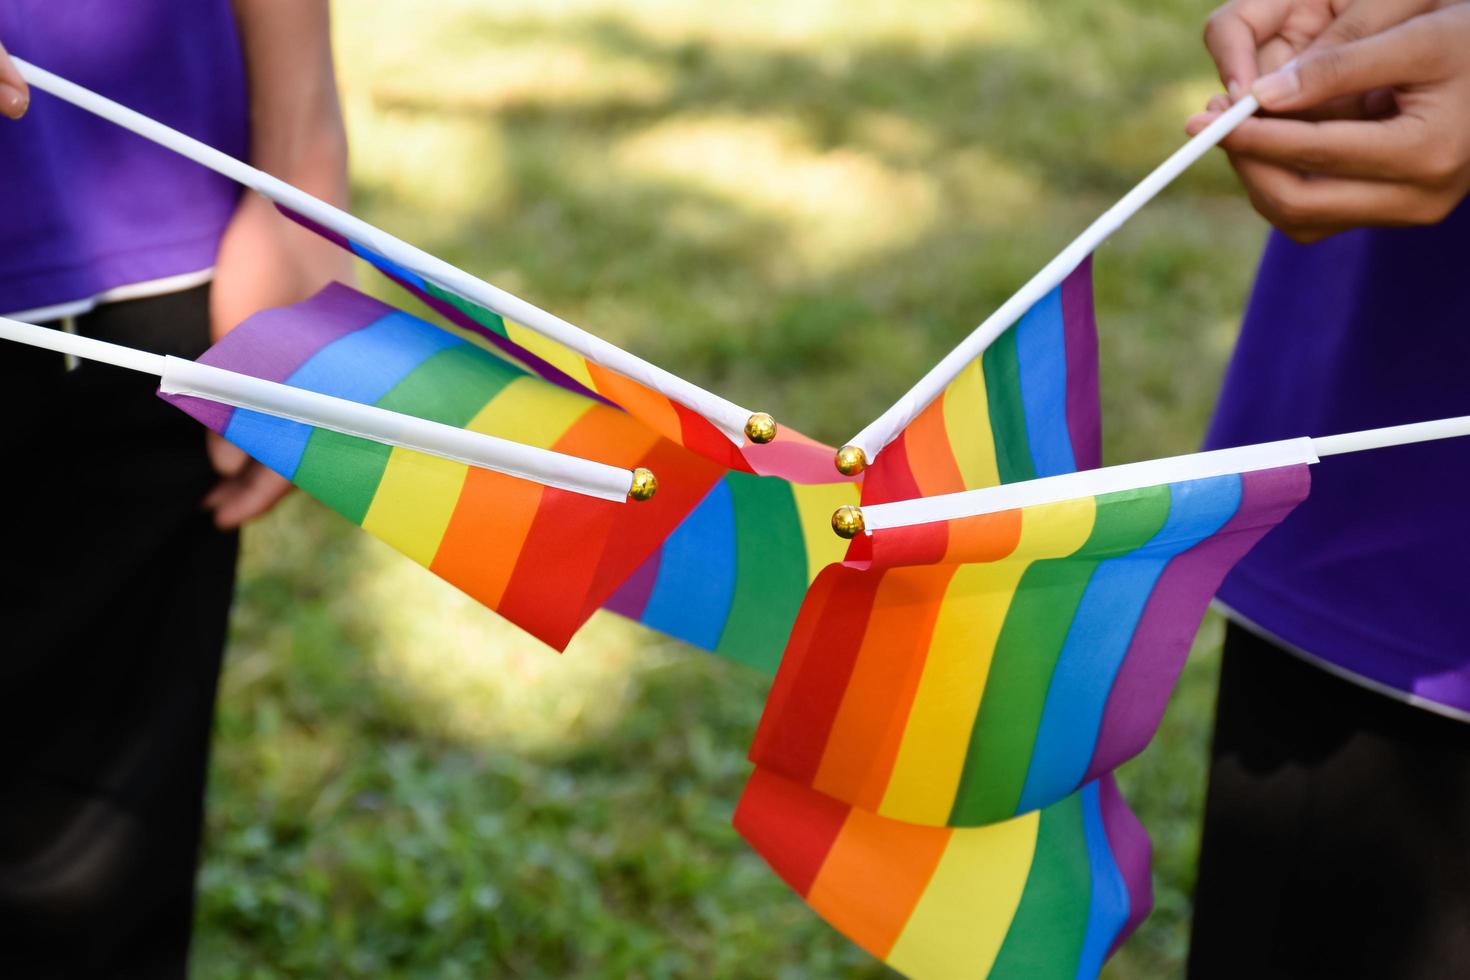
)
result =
(1408, 54)
(1400, 148)
(227, 458)
(1235, 31)
(1308, 208)
(1364, 18)
(246, 495)
(15, 94)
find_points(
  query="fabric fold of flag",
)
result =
(1046, 894)
(544, 558)
(791, 456)
(1026, 408)
(1034, 658)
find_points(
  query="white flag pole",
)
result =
(185, 377)
(735, 422)
(1138, 476)
(864, 447)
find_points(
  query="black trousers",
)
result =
(1337, 829)
(114, 598)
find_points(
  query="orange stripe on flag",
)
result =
(931, 459)
(869, 726)
(644, 403)
(873, 877)
(486, 533)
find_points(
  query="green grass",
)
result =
(801, 205)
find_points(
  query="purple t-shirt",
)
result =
(86, 206)
(1366, 329)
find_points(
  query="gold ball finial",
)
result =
(645, 485)
(851, 460)
(847, 521)
(760, 428)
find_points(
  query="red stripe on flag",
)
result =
(790, 826)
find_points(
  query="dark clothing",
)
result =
(115, 598)
(1368, 328)
(1337, 829)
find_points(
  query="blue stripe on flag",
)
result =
(1100, 633)
(362, 366)
(1108, 910)
(1041, 355)
(696, 574)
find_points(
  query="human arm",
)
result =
(265, 260)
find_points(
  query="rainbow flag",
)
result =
(544, 558)
(731, 578)
(1037, 655)
(791, 455)
(1047, 894)
(1026, 408)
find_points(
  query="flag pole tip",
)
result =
(851, 460)
(847, 521)
(760, 428)
(645, 485)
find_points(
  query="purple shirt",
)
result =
(86, 206)
(1369, 575)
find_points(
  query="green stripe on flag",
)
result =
(1050, 925)
(451, 386)
(342, 471)
(1026, 652)
(770, 571)
(1001, 365)
(485, 318)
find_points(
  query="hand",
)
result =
(15, 94)
(1250, 38)
(265, 259)
(1403, 158)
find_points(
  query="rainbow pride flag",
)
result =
(1037, 655)
(544, 558)
(1047, 894)
(731, 578)
(791, 455)
(1027, 408)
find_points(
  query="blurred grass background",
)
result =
(802, 205)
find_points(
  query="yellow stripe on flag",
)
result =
(414, 502)
(549, 350)
(931, 757)
(814, 506)
(962, 918)
(530, 411)
(967, 422)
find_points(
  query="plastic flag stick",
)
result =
(180, 376)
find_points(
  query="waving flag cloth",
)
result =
(1047, 894)
(1037, 655)
(790, 456)
(544, 558)
(1026, 408)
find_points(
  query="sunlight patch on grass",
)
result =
(767, 22)
(1148, 131)
(448, 164)
(478, 679)
(836, 207)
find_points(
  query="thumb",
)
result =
(1402, 56)
(15, 95)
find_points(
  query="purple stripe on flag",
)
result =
(533, 363)
(1171, 618)
(632, 596)
(1084, 422)
(281, 340)
(1131, 853)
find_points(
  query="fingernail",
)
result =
(13, 102)
(1279, 86)
(1235, 90)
